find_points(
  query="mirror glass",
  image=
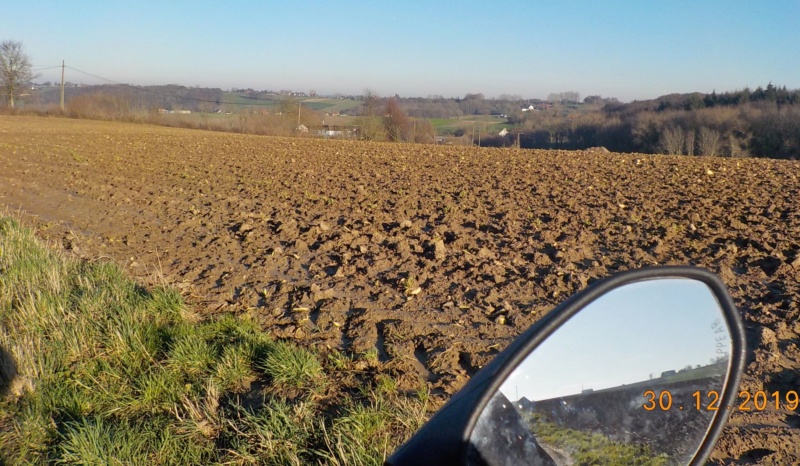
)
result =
(635, 377)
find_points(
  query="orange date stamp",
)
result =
(710, 401)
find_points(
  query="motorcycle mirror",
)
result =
(639, 368)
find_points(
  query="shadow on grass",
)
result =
(8, 371)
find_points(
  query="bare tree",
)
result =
(690, 141)
(564, 97)
(371, 122)
(424, 131)
(396, 121)
(572, 97)
(672, 139)
(737, 145)
(709, 141)
(15, 69)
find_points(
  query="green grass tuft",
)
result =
(100, 442)
(292, 367)
(95, 369)
(280, 433)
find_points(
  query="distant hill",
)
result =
(778, 95)
(176, 97)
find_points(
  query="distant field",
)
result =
(274, 102)
(243, 102)
(317, 105)
(331, 105)
(484, 123)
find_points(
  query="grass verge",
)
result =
(95, 369)
(595, 448)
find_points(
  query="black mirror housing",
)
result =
(445, 439)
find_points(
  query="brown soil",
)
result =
(435, 257)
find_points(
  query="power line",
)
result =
(46, 68)
(95, 76)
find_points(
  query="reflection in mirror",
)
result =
(634, 377)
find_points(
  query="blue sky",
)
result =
(625, 49)
(623, 337)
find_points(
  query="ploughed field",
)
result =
(432, 257)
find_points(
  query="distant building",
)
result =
(335, 131)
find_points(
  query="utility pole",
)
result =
(62, 86)
(299, 106)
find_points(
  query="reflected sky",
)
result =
(631, 334)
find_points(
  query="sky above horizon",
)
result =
(629, 50)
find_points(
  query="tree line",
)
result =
(120, 100)
(764, 122)
(437, 106)
(386, 120)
